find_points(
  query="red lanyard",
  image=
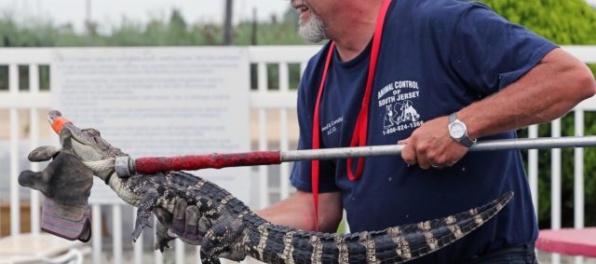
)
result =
(361, 129)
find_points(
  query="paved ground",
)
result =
(545, 258)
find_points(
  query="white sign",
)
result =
(160, 102)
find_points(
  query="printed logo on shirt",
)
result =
(331, 127)
(396, 99)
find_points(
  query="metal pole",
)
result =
(253, 38)
(228, 23)
(504, 144)
(126, 166)
(88, 12)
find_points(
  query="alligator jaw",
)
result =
(122, 188)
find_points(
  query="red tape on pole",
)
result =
(148, 165)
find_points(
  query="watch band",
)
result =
(452, 117)
(465, 140)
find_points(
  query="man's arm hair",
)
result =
(297, 211)
(549, 90)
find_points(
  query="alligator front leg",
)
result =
(144, 210)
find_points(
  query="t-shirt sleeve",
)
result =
(301, 172)
(490, 53)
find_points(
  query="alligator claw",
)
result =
(163, 238)
(209, 259)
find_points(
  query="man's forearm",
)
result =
(546, 92)
(297, 211)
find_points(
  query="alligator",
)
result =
(233, 225)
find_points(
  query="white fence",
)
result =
(275, 128)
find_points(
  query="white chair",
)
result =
(40, 248)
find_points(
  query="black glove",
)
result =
(187, 223)
(183, 224)
(66, 183)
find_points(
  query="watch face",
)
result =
(457, 130)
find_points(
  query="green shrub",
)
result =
(570, 22)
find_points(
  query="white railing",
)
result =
(275, 128)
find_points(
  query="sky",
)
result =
(112, 11)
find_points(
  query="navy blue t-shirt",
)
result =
(436, 57)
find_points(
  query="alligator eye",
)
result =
(91, 132)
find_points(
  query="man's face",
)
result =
(311, 27)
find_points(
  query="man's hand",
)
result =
(431, 146)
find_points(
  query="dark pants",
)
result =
(524, 254)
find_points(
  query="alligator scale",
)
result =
(233, 225)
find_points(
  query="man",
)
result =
(436, 59)
(447, 73)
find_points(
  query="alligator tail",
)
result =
(276, 244)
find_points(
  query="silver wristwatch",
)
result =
(459, 131)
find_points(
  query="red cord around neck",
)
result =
(359, 137)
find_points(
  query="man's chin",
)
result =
(311, 34)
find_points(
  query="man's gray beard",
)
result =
(313, 29)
